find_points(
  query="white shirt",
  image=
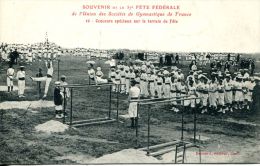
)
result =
(99, 74)
(143, 77)
(20, 74)
(91, 73)
(192, 90)
(246, 75)
(239, 85)
(112, 75)
(49, 70)
(250, 85)
(194, 67)
(167, 80)
(228, 85)
(10, 71)
(134, 92)
(132, 75)
(205, 87)
(127, 75)
(159, 80)
(152, 77)
(113, 62)
(66, 89)
(122, 74)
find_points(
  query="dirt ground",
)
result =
(233, 137)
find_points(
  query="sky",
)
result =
(215, 26)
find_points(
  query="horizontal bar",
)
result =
(190, 145)
(161, 145)
(165, 101)
(89, 120)
(141, 100)
(89, 85)
(178, 161)
(94, 123)
(162, 151)
(169, 150)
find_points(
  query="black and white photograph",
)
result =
(129, 82)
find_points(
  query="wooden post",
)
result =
(148, 134)
(39, 89)
(136, 128)
(71, 95)
(58, 69)
(64, 104)
(117, 104)
(195, 119)
(110, 97)
(182, 122)
(200, 150)
(1, 120)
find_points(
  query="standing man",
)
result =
(112, 76)
(252, 63)
(228, 57)
(205, 95)
(127, 79)
(248, 96)
(16, 56)
(91, 74)
(65, 92)
(58, 100)
(159, 85)
(177, 59)
(117, 80)
(134, 94)
(47, 78)
(167, 85)
(212, 94)
(239, 96)
(228, 93)
(160, 60)
(238, 59)
(122, 79)
(10, 76)
(173, 92)
(221, 96)
(151, 80)
(30, 57)
(21, 81)
(39, 74)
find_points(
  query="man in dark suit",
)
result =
(256, 98)
(39, 74)
(14, 55)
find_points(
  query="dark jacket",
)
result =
(57, 97)
(256, 99)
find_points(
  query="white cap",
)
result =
(57, 83)
(127, 68)
(165, 72)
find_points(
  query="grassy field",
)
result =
(21, 144)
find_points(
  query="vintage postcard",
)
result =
(129, 82)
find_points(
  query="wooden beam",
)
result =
(89, 120)
(161, 152)
(161, 145)
(94, 123)
(165, 101)
(156, 99)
